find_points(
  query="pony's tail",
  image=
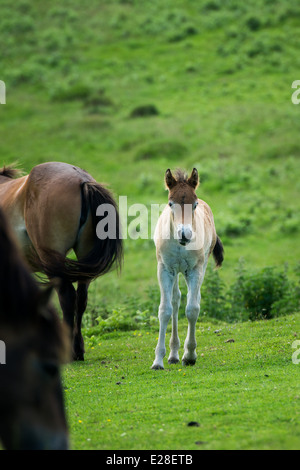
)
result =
(218, 252)
(105, 254)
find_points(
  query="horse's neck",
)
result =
(4, 179)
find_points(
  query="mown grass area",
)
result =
(242, 394)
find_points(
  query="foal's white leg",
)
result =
(194, 280)
(166, 282)
(174, 341)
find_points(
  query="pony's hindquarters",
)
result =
(61, 214)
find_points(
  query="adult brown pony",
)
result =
(53, 210)
(32, 412)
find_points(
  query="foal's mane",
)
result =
(180, 175)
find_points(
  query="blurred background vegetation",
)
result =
(126, 89)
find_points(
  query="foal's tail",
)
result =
(106, 252)
(218, 252)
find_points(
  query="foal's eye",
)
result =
(171, 203)
(195, 204)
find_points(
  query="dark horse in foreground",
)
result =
(32, 412)
(53, 210)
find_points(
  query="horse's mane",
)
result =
(10, 172)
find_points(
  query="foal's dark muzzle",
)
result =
(184, 234)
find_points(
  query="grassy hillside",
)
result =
(218, 77)
(126, 89)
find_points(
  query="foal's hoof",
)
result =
(173, 360)
(157, 367)
(188, 362)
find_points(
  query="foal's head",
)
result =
(183, 202)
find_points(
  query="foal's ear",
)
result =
(169, 179)
(194, 179)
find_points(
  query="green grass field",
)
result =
(243, 394)
(215, 79)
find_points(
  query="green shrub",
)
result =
(124, 320)
(263, 294)
(187, 31)
(235, 294)
(29, 72)
(145, 110)
(290, 225)
(18, 25)
(261, 290)
(266, 293)
(212, 6)
(213, 296)
(71, 92)
(234, 227)
(98, 103)
(290, 300)
(253, 23)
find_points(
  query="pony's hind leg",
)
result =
(81, 300)
(174, 341)
(67, 299)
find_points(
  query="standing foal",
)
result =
(185, 236)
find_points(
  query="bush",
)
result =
(145, 110)
(18, 25)
(123, 320)
(189, 30)
(29, 72)
(253, 23)
(290, 300)
(71, 92)
(96, 102)
(235, 227)
(263, 294)
(213, 297)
